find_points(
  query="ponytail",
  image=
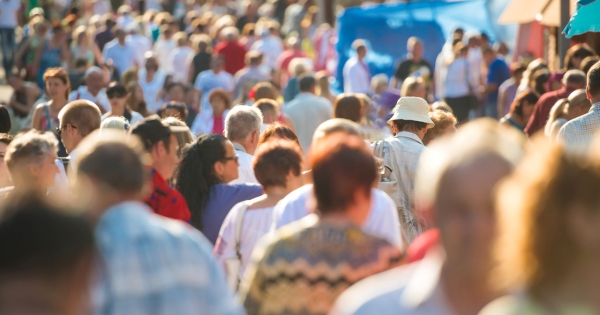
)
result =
(195, 174)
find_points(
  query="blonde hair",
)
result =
(557, 111)
(409, 85)
(442, 120)
(536, 247)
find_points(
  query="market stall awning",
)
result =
(585, 19)
(547, 12)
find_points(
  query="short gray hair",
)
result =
(241, 122)
(30, 147)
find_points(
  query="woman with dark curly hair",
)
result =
(202, 176)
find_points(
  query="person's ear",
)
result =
(219, 168)
(255, 136)
(35, 170)
(588, 94)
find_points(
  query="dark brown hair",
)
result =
(61, 74)
(516, 108)
(347, 106)
(341, 165)
(593, 80)
(274, 160)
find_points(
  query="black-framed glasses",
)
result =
(234, 158)
(115, 95)
(60, 129)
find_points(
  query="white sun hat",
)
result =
(412, 108)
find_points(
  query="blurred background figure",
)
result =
(549, 213)
(278, 168)
(445, 124)
(5, 140)
(520, 111)
(315, 248)
(452, 277)
(50, 269)
(30, 159)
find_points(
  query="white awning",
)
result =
(547, 12)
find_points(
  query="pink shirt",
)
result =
(217, 125)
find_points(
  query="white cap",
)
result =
(412, 108)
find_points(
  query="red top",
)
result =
(217, 125)
(541, 111)
(423, 243)
(284, 62)
(167, 201)
(234, 54)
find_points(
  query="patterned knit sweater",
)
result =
(306, 265)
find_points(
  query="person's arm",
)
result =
(534, 121)
(37, 117)
(502, 96)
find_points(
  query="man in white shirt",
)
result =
(357, 77)
(140, 43)
(93, 90)
(212, 79)
(124, 18)
(383, 218)
(122, 55)
(151, 79)
(458, 195)
(409, 124)
(180, 58)
(307, 111)
(270, 45)
(8, 22)
(163, 47)
(242, 128)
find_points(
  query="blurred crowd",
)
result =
(194, 157)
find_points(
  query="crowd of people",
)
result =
(192, 157)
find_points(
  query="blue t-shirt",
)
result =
(498, 72)
(222, 198)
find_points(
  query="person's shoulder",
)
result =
(246, 188)
(375, 294)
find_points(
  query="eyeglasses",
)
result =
(60, 129)
(234, 158)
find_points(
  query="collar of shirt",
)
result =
(239, 147)
(595, 107)
(409, 135)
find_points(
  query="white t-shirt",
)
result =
(383, 220)
(135, 117)
(123, 57)
(151, 89)
(271, 48)
(163, 48)
(141, 45)
(245, 170)
(8, 13)
(99, 99)
(179, 60)
(208, 81)
(256, 223)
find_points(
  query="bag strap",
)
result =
(238, 234)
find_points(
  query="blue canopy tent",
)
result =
(585, 18)
(386, 29)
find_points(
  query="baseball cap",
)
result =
(151, 130)
(412, 108)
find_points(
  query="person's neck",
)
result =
(246, 145)
(218, 112)
(466, 293)
(150, 75)
(58, 102)
(595, 100)
(339, 218)
(580, 288)
(107, 200)
(122, 43)
(94, 92)
(117, 110)
(417, 58)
